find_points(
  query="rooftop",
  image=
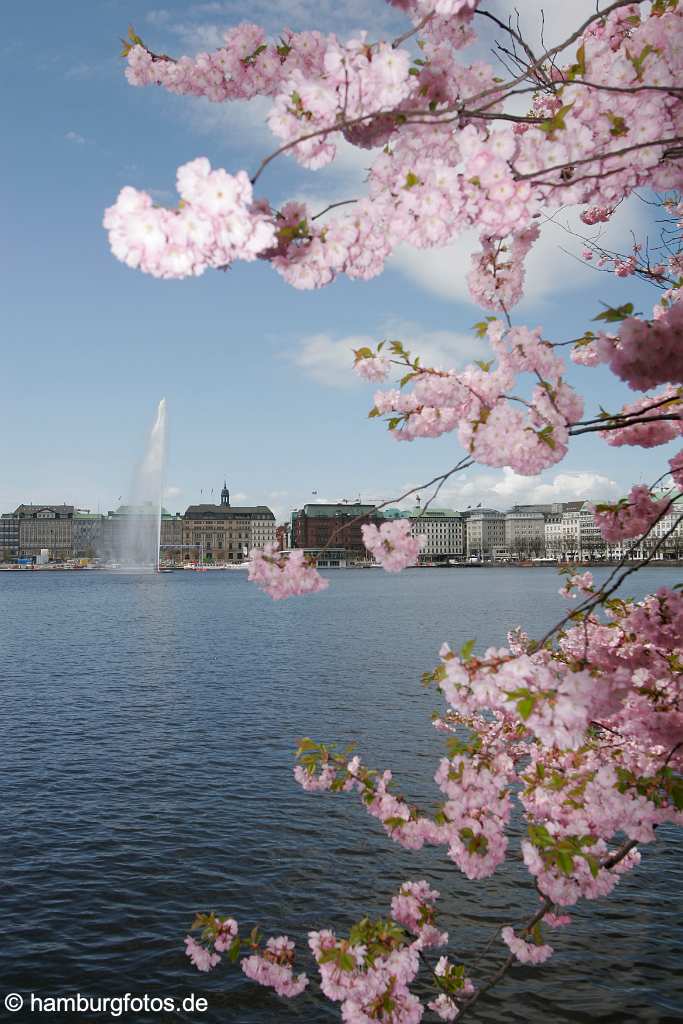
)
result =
(341, 509)
(207, 511)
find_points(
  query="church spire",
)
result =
(225, 495)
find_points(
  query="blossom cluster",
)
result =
(431, 182)
(532, 716)
(646, 353)
(413, 907)
(273, 968)
(216, 223)
(649, 422)
(525, 952)
(367, 985)
(392, 544)
(478, 402)
(578, 582)
(630, 517)
(283, 576)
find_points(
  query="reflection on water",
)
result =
(149, 724)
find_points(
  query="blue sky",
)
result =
(252, 370)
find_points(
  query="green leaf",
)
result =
(412, 180)
(593, 863)
(565, 862)
(614, 315)
(556, 123)
(373, 413)
(347, 962)
(466, 650)
(580, 67)
(547, 435)
(483, 365)
(525, 706)
(638, 61)
(676, 793)
(619, 127)
(481, 328)
(394, 822)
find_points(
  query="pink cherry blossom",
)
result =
(631, 518)
(392, 544)
(372, 368)
(676, 464)
(202, 958)
(283, 576)
(273, 968)
(525, 952)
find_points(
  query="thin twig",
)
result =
(628, 423)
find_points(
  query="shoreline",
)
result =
(659, 563)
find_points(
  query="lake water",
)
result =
(148, 728)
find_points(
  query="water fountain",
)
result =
(139, 533)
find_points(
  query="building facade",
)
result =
(484, 533)
(9, 537)
(315, 526)
(525, 534)
(443, 528)
(87, 533)
(171, 536)
(45, 527)
(225, 533)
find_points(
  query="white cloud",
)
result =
(324, 15)
(172, 491)
(550, 269)
(241, 122)
(501, 489)
(560, 19)
(160, 16)
(74, 137)
(329, 361)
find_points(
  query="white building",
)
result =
(525, 534)
(484, 533)
(444, 530)
(571, 531)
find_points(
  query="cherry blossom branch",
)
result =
(672, 90)
(412, 31)
(536, 918)
(605, 590)
(333, 206)
(549, 54)
(626, 423)
(518, 38)
(627, 416)
(464, 463)
(597, 158)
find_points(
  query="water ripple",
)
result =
(149, 725)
